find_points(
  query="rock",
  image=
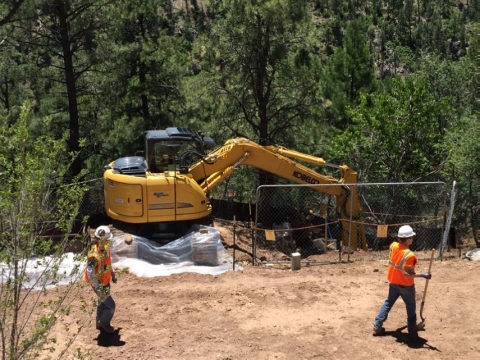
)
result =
(128, 238)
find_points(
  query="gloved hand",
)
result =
(426, 275)
(114, 278)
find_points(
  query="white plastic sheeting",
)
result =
(473, 254)
(200, 251)
(197, 252)
(38, 272)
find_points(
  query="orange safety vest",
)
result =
(400, 257)
(103, 269)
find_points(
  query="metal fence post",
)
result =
(350, 226)
(449, 221)
(252, 224)
(234, 239)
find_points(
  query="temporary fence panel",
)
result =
(390, 205)
(295, 218)
(310, 219)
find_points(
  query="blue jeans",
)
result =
(105, 308)
(407, 293)
(105, 311)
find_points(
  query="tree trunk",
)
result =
(142, 74)
(6, 95)
(11, 13)
(74, 138)
(264, 178)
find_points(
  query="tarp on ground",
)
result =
(200, 251)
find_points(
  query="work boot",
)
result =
(378, 331)
(109, 329)
(413, 332)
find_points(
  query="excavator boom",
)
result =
(219, 164)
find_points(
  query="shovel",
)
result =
(421, 325)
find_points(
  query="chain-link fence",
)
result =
(92, 204)
(311, 219)
(318, 219)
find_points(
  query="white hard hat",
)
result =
(405, 231)
(103, 232)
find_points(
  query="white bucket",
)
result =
(296, 261)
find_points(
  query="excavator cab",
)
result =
(164, 156)
(174, 149)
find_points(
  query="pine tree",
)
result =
(64, 47)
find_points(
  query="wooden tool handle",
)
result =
(429, 269)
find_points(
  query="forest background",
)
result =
(390, 88)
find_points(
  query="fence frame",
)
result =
(448, 222)
(447, 208)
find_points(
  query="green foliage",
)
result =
(9, 11)
(349, 71)
(474, 57)
(12, 77)
(452, 80)
(396, 136)
(276, 71)
(462, 140)
(33, 204)
(266, 76)
(465, 167)
(145, 66)
(58, 59)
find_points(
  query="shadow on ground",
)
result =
(417, 342)
(106, 340)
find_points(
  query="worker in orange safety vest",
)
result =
(99, 273)
(401, 274)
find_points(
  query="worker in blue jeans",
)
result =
(401, 274)
(99, 273)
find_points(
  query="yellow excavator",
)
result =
(165, 189)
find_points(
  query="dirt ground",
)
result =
(271, 312)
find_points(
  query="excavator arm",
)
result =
(277, 160)
(219, 164)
